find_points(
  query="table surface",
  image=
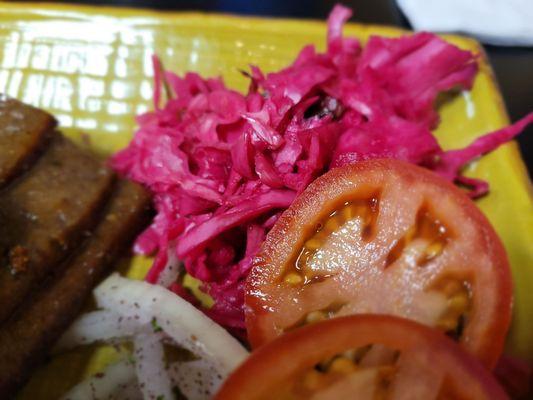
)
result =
(513, 66)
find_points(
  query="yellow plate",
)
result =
(91, 68)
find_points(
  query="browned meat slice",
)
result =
(23, 130)
(45, 213)
(29, 334)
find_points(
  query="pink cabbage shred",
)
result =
(223, 165)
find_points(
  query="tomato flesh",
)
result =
(364, 357)
(384, 237)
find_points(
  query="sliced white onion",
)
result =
(115, 382)
(172, 269)
(197, 379)
(149, 355)
(186, 325)
(97, 326)
(148, 315)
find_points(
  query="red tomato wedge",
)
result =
(383, 237)
(361, 357)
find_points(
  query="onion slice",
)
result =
(196, 379)
(154, 381)
(186, 325)
(97, 326)
(116, 382)
(151, 315)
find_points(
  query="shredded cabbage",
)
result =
(223, 165)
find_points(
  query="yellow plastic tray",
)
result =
(91, 68)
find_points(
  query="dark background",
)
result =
(513, 65)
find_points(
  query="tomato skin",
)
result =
(269, 366)
(516, 376)
(485, 340)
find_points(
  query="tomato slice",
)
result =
(383, 237)
(361, 357)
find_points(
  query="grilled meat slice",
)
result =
(23, 132)
(27, 336)
(45, 213)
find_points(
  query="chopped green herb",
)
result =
(156, 326)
